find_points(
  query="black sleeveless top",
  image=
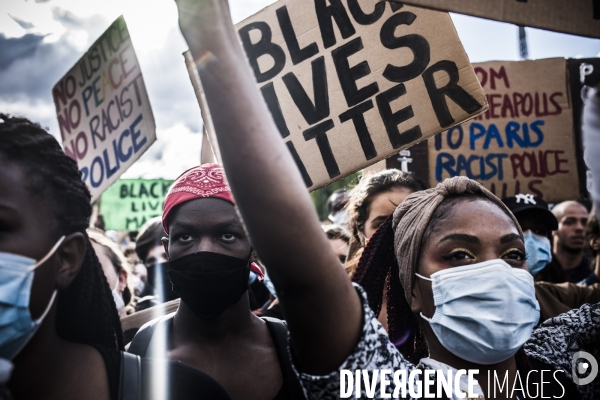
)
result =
(291, 388)
(183, 381)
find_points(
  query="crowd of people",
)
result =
(239, 291)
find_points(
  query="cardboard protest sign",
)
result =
(524, 143)
(577, 17)
(582, 71)
(104, 113)
(349, 84)
(129, 203)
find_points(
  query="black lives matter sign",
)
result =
(352, 82)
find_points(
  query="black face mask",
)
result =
(209, 283)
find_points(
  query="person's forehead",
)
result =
(204, 211)
(33, 212)
(476, 217)
(575, 210)
(389, 199)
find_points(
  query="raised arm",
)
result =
(322, 308)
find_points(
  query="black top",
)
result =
(184, 382)
(554, 273)
(291, 388)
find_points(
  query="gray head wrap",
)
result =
(412, 217)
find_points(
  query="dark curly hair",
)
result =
(360, 201)
(86, 309)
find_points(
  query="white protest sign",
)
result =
(103, 110)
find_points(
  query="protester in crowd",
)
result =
(592, 238)
(336, 206)
(331, 326)
(569, 261)
(149, 248)
(339, 238)
(60, 326)
(210, 260)
(116, 269)
(537, 223)
(371, 201)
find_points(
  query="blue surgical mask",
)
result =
(16, 278)
(484, 312)
(539, 253)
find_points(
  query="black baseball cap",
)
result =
(531, 204)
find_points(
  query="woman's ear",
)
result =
(415, 301)
(71, 254)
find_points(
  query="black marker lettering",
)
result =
(392, 119)
(416, 43)
(319, 133)
(287, 29)
(326, 14)
(307, 181)
(349, 75)
(360, 16)
(268, 92)
(263, 47)
(452, 90)
(357, 115)
(318, 111)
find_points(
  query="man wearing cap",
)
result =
(210, 259)
(537, 223)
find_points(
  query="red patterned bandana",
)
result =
(203, 181)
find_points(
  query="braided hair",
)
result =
(86, 309)
(378, 267)
(360, 201)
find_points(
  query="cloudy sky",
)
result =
(40, 40)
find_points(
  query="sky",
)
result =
(40, 40)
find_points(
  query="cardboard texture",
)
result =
(524, 143)
(591, 78)
(103, 110)
(129, 203)
(577, 17)
(349, 85)
(210, 147)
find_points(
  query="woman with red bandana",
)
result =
(210, 259)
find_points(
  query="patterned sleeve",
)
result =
(556, 341)
(374, 351)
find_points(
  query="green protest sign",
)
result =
(129, 203)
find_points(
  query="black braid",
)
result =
(86, 309)
(376, 266)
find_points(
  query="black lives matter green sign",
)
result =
(129, 203)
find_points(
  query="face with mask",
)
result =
(472, 290)
(35, 261)
(209, 255)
